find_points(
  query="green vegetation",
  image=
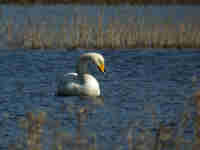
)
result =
(108, 2)
(113, 35)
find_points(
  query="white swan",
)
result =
(82, 83)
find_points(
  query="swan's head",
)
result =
(99, 61)
(96, 58)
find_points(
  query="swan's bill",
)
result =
(101, 67)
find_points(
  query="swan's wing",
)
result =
(67, 83)
(69, 77)
(71, 74)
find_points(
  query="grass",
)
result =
(113, 35)
(107, 2)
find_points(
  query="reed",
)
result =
(113, 35)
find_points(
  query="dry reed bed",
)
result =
(114, 35)
(108, 2)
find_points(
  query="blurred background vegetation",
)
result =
(107, 2)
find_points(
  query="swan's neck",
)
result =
(82, 67)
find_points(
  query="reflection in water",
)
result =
(89, 103)
(99, 100)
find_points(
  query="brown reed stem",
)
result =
(10, 29)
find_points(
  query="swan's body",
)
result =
(82, 83)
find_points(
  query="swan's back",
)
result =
(68, 85)
(72, 85)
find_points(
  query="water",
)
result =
(134, 81)
(124, 13)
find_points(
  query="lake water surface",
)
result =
(135, 82)
(124, 13)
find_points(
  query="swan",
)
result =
(81, 83)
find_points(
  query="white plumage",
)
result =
(81, 83)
